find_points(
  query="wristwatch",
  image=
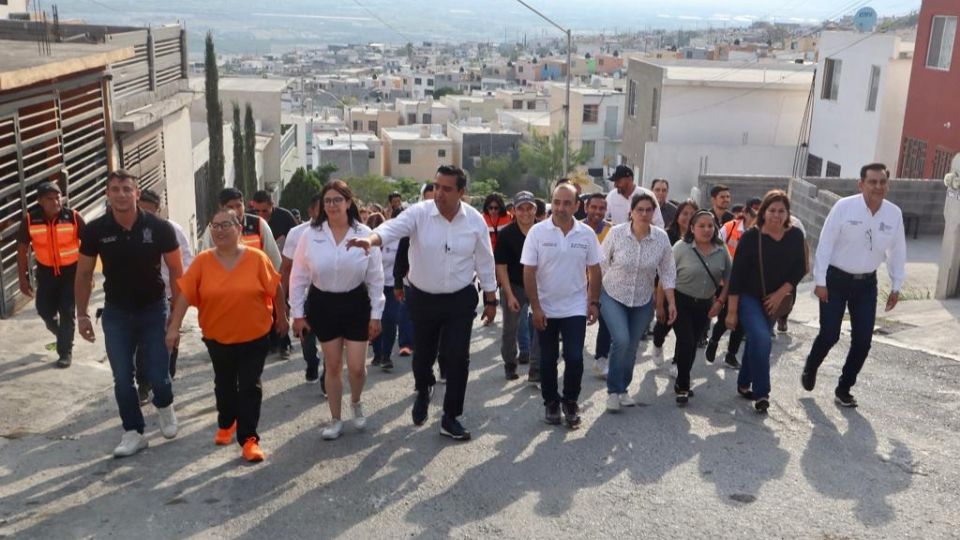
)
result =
(491, 303)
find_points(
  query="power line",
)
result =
(383, 22)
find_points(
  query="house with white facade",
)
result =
(859, 102)
(596, 124)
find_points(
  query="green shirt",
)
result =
(692, 277)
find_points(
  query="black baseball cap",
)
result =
(150, 196)
(48, 187)
(622, 171)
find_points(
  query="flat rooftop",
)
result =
(21, 65)
(738, 74)
(253, 84)
(401, 134)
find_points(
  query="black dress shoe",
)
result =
(376, 360)
(711, 352)
(730, 361)
(808, 379)
(64, 361)
(571, 414)
(844, 398)
(511, 373)
(762, 405)
(552, 413)
(745, 394)
(451, 427)
(421, 406)
(523, 359)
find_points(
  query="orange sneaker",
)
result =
(225, 436)
(252, 451)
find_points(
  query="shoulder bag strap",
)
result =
(705, 267)
(763, 281)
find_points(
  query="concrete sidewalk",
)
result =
(919, 322)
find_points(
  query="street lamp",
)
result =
(566, 127)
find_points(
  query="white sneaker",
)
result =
(332, 431)
(131, 443)
(613, 402)
(673, 370)
(626, 400)
(601, 368)
(359, 420)
(657, 355)
(168, 422)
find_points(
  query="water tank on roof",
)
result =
(866, 19)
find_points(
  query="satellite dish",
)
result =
(866, 19)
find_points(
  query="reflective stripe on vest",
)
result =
(55, 243)
(734, 233)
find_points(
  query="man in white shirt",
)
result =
(150, 202)
(449, 249)
(861, 232)
(308, 341)
(558, 255)
(618, 200)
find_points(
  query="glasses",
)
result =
(223, 225)
(334, 201)
(643, 210)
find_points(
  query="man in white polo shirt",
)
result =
(618, 200)
(861, 232)
(558, 255)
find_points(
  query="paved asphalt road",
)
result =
(713, 470)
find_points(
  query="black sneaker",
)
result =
(386, 363)
(523, 359)
(284, 353)
(730, 361)
(571, 414)
(711, 352)
(450, 427)
(808, 379)
(762, 405)
(552, 413)
(745, 394)
(421, 406)
(64, 361)
(844, 398)
(683, 397)
(376, 360)
(510, 372)
(312, 375)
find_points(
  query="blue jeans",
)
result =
(604, 340)
(860, 297)
(755, 368)
(573, 330)
(627, 325)
(383, 345)
(124, 332)
(404, 322)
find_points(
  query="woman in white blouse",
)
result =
(634, 253)
(338, 295)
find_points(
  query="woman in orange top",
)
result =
(495, 215)
(236, 290)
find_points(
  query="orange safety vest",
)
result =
(495, 228)
(732, 228)
(56, 243)
(251, 235)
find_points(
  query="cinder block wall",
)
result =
(811, 205)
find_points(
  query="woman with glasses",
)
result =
(676, 231)
(703, 270)
(236, 291)
(634, 254)
(495, 215)
(344, 291)
(769, 264)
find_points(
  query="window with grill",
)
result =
(589, 148)
(591, 114)
(427, 118)
(373, 126)
(371, 155)
(412, 118)
(814, 165)
(531, 105)
(632, 98)
(873, 90)
(943, 33)
(404, 157)
(517, 104)
(833, 169)
(831, 79)
(441, 153)
(357, 125)
(941, 162)
(914, 158)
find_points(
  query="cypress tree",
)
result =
(249, 152)
(214, 126)
(238, 148)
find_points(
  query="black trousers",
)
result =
(443, 324)
(736, 337)
(690, 324)
(236, 383)
(55, 304)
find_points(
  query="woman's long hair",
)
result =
(495, 198)
(701, 214)
(773, 196)
(674, 226)
(343, 189)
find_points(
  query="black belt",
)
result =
(848, 275)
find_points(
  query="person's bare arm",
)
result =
(503, 278)
(594, 280)
(530, 286)
(23, 263)
(82, 288)
(175, 269)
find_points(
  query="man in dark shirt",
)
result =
(720, 199)
(661, 188)
(279, 219)
(130, 244)
(513, 298)
(53, 231)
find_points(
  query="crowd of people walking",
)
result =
(632, 261)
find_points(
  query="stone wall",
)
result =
(811, 204)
